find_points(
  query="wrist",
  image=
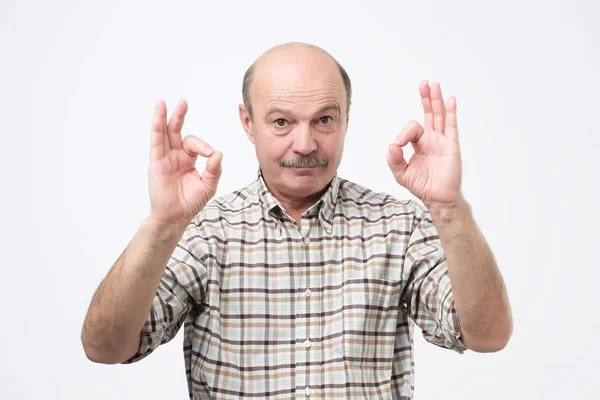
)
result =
(163, 229)
(447, 213)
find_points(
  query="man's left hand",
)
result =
(433, 173)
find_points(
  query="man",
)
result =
(302, 284)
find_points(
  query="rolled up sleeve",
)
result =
(427, 293)
(180, 290)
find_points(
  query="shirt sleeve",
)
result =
(427, 293)
(181, 290)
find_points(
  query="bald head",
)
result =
(293, 61)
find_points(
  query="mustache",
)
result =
(305, 162)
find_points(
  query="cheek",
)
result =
(333, 147)
(271, 148)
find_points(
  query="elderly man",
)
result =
(302, 284)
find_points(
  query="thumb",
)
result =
(396, 161)
(212, 172)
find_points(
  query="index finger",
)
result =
(194, 146)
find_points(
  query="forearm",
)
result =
(121, 304)
(480, 296)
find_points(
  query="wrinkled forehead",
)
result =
(299, 84)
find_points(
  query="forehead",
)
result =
(301, 83)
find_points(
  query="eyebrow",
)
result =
(326, 108)
(276, 110)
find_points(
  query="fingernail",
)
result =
(207, 148)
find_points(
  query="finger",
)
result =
(165, 130)
(396, 161)
(212, 172)
(411, 133)
(424, 91)
(195, 147)
(439, 110)
(158, 131)
(451, 121)
(176, 123)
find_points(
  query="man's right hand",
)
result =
(177, 191)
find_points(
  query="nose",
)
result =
(304, 140)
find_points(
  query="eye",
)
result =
(326, 120)
(280, 122)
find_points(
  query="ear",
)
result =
(347, 121)
(246, 122)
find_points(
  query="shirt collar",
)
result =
(325, 206)
(268, 201)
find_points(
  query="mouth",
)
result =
(304, 170)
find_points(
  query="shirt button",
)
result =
(307, 343)
(306, 241)
(307, 391)
(307, 292)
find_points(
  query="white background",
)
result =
(78, 81)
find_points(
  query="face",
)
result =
(298, 127)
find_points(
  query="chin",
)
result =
(307, 180)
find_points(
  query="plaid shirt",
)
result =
(273, 310)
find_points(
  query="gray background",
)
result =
(78, 80)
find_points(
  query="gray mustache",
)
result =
(304, 162)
